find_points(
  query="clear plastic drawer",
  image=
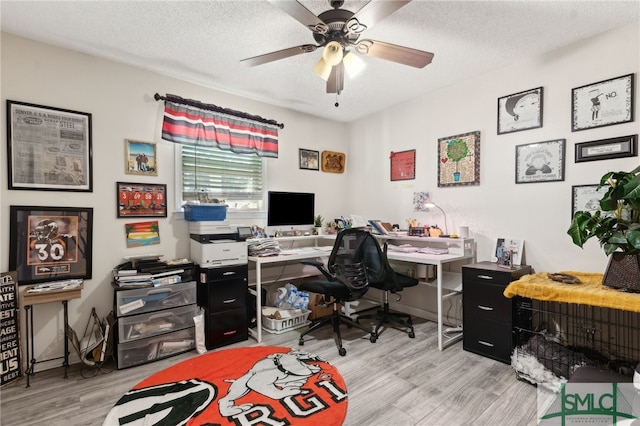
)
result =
(148, 299)
(150, 324)
(154, 348)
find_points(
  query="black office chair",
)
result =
(383, 277)
(345, 280)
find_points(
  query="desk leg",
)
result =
(439, 295)
(258, 302)
(30, 349)
(65, 306)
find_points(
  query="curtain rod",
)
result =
(215, 108)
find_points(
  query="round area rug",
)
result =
(261, 385)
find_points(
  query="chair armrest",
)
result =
(320, 267)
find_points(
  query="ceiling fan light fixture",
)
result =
(332, 53)
(353, 64)
(322, 69)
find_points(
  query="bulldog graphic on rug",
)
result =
(277, 376)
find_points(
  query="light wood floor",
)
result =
(396, 381)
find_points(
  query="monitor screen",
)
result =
(290, 208)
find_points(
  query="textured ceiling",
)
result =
(204, 41)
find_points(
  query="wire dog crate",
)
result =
(553, 339)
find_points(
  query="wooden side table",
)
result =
(39, 298)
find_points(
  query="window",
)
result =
(236, 178)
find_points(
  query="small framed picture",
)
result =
(540, 161)
(141, 199)
(309, 160)
(604, 149)
(604, 103)
(403, 165)
(141, 158)
(510, 250)
(586, 198)
(520, 111)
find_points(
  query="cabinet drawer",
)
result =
(150, 324)
(226, 327)
(485, 302)
(208, 275)
(148, 299)
(489, 338)
(486, 276)
(154, 348)
(223, 295)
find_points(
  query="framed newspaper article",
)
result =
(48, 148)
(50, 243)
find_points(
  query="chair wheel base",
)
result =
(412, 334)
(342, 351)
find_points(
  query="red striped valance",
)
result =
(192, 123)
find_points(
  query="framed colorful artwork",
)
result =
(48, 148)
(141, 158)
(141, 199)
(520, 111)
(403, 165)
(604, 103)
(142, 233)
(540, 161)
(459, 160)
(50, 243)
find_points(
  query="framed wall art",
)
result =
(141, 158)
(403, 165)
(141, 199)
(604, 149)
(459, 160)
(540, 161)
(140, 234)
(604, 103)
(309, 160)
(333, 162)
(50, 243)
(520, 111)
(48, 148)
(586, 198)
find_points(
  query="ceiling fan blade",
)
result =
(376, 10)
(280, 54)
(335, 82)
(393, 52)
(301, 14)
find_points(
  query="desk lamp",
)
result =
(432, 205)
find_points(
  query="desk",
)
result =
(461, 250)
(30, 299)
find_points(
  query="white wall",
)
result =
(120, 99)
(538, 213)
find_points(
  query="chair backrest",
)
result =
(348, 260)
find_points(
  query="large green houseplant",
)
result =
(616, 225)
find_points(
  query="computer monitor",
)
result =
(290, 211)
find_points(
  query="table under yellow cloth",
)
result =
(589, 291)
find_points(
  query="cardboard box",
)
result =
(315, 306)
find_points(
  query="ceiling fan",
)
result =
(338, 32)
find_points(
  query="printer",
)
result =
(217, 244)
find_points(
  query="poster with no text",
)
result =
(10, 365)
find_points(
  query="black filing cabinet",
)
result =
(222, 292)
(487, 313)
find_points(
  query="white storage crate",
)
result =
(276, 326)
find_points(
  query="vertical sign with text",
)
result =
(10, 365)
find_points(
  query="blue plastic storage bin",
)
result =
(197, 213)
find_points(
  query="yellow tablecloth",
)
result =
(589, 291)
